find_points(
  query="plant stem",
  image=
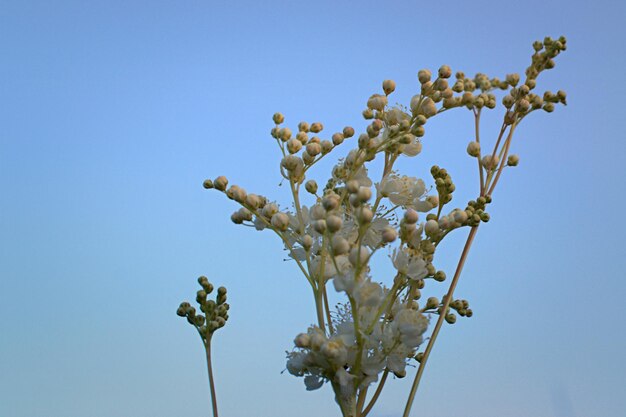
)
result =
(211, 381)
(379, 389)
(442, 315)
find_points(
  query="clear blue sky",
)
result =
(113, 112)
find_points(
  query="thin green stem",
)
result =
(379, 389)
(442, 315)
(211, 380)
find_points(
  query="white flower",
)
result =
(369, 294)
(313, 382)
(412, 148)
(329, 266)
(410, 324)
(408, 192)
(361, 176)
(412, 266)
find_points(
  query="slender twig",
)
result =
(360, 401)
(379, 389)
(442, 315)
(211, 381)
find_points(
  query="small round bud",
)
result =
(317, 127)
(333, 223)
(284, 134)
(445, 71)
(377, 102)
(428, 107)
(432, 302)
(294, 145)
(365, 215)
(338, 138)
(364, 194)
(473, 149)
(311, 186)
(307, 242)
(460, 216)
(451, 318)
(220, 183)
(330, 202)
(389, 234)
(358, 255)
(512, 160)
(432, 227)
(313, 149)
(208, 184)
(389, 86)
(352, 186)
(303, 127)
(253, 200)
(319, 226)
(348, 132)
(424, 76)
(440, 276)
(339, 245)
(278, 118)
(490, 162)
(302, 340)
(280, 221)
(411, 216)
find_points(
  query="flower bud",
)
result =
(352, 186)
(284, 134)
(364, 194)
(473, 149)
(280, 221)
(330, 201)
(333, 223)
(432, 227)
(220, 183)
(445, 71)
(317, 127)
(432, 303)
(389, 86)
(294, 145)
(490, 162)
(302, 340)
(313, 148)
(424, 76)
(307, 242)
(389, 234)
(338, 138)
(311, 186)
(348, 132)
(278, 118)
(512, 160)
(428, 107)
(377, 102)
(411, 216)
(339, 245)
(208, 184)
(358, 255)
(319, 226)
(327, 146)
(364, 215)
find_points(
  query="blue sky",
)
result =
(113, 113)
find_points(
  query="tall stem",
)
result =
(442, 315)
(211, 381)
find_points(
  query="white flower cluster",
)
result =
(334, 236)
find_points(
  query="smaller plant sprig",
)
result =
(216, 314)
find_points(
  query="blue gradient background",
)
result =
(112, 114)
